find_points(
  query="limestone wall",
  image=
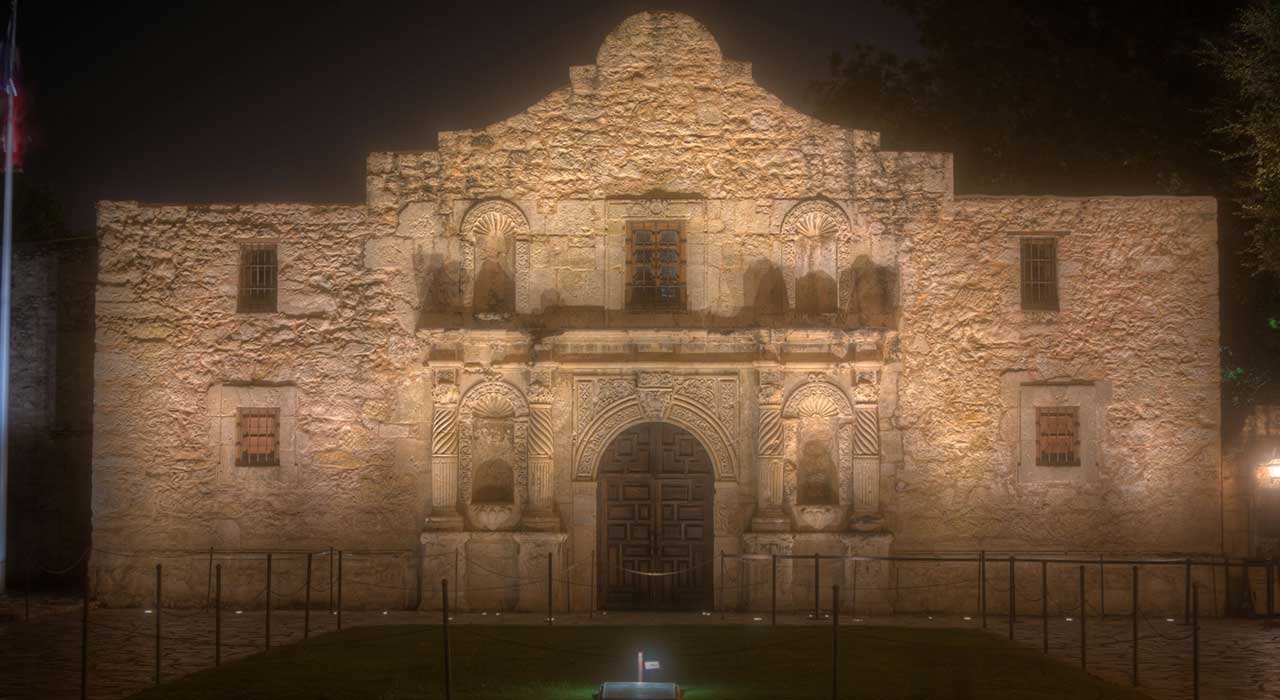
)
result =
(173, 358)
(1138, 321)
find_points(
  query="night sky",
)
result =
(281, 100)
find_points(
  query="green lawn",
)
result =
(722, 662)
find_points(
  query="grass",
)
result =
(711, 662)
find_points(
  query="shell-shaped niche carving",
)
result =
(816, 405)
(489, 231)
(815, 219)
(493, 406)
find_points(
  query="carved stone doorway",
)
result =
(655, 529)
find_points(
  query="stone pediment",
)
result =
(661, 108)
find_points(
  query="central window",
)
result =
(655, 265)
(258, 437)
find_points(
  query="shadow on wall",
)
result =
(872, 301)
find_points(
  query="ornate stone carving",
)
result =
(816, 238)
(705, 405)
(493, 427)
(500, 219)
(817, 424)
(540, 387)
(866, 388)
(770, 391)
(866, 438)
(770, 431)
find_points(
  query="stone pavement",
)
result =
(40, 658)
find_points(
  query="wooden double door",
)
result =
(655, 527)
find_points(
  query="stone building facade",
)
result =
(657, 316)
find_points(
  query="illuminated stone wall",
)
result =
(849, 320)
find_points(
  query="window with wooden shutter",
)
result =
(656, 265)
(258, 272)
(1040, 273)
(1058, 436)
(258, 437)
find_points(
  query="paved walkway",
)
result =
(40, 658)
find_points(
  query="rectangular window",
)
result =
(1040, 274)
(1058, 436)
(257, 278)
(258, 437)
(655, 265)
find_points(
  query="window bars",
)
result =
(1058, 436)
(655, 265)
(1040, 274)
(258, 437)
(258, 272)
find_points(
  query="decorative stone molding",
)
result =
(541, 448)
(444, 452)
(818, 454)
(501, 219)
(493, 426)
(705, 405)
(816, 238)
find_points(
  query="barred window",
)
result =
(257, 278)
(1040, 274)
(655, 265)
(1058, 436)
(258, 437)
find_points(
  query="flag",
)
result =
(9, 56)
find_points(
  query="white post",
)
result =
(639, 666)
(5, 276)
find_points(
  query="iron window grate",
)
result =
(656, 265)
(1058, 436)
(258, 437)
(1040, 274)
(258, 275)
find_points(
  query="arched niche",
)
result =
(493, 455)
(816, 249)
(818, 452)
(495, 252)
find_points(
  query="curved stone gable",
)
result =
(661, 110)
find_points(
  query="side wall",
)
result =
(173, 362)
(1137, 334)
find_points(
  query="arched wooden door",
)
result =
(655, 524)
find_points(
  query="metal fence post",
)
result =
(982, 586)
(339, 590)
(84, 639)
(306, 606)
(720, 589)
(1271, 589)
(1084, 648)
(835, 641)
(1135, 625)
(1013, 595)
(773, 589)
(817, 576)
(549, 610)
(1186, 589)
(159, 580)
(1195, 643)
(444, 625)
(1102, 588)
(1044, 603)
(217, 616)
(268, 600)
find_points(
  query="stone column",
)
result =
(769, 515)
(440, 551)
(866, 460)
(444, 453)
(541, 514)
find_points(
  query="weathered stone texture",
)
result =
(853, 356)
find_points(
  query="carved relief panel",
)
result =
(705, 405)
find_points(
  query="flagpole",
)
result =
(6, 277)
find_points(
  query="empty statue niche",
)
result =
(816, 475)
(494, 238)
(494, 483)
